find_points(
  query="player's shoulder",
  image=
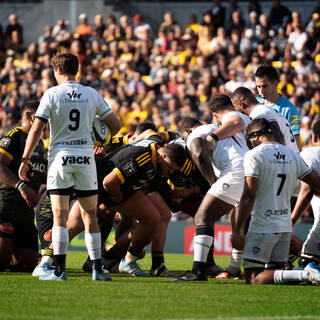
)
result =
(310, 152)
(283, 102)
(17, 131)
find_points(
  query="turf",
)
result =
(25, 297)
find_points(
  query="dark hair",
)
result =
(66, 62)
(316, 129)
(30, 105)
(176, 153)
(259, 127)
(220, 102)
(145, 126)
(267, 71)
(242, 93)
(188, 123)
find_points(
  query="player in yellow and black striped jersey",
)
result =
(121, 176)
(18, 234)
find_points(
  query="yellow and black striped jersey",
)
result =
(135, 164)
(118, 142)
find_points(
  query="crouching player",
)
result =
(271, 170)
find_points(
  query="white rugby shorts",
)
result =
(263, 248)
(228, 188)
(76, 168)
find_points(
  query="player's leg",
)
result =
(25, 252)
(158, 267)
(60, 237)
(141, 208)
(88, 209)
(6, 250)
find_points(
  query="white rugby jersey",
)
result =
(240, 136)
(70, 108)
(312, 158)
(263, 111)
(227, 156)
(277, 167)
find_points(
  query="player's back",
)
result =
(241, 135)
(227, 155)
(71, 108)
(263, 111)
(277, 167)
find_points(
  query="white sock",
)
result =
(46, 259)
(235, 261)
(201, 244)
(93, 243)
(130, 258)
(60, 240)
(285, 276)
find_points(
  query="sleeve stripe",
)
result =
(10, 156)
(144, 158)
(43, 119)
(142, 155)
(144, 162)
(119, 174)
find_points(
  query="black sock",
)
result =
(157, 259)
(60, 264)
(105, 229)
(135, 252)
(114, 253)
(96, 265)
(199, 267)
(210, 258)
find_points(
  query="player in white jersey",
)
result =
(225, 156)
(231, 124)
(310, 250)
(244, 101)
(70, 109)
(271, 170)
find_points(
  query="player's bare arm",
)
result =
(113, 122)
(112, 183)
(304, 198)
(241, 216)
(32, 141)
(200, 153)
(230, 128)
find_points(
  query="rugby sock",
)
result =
(210, 258)
(60, 241)
(285, 276)
(114, 253)
(105, 229)
(235, 261)
(202, 243)
(132, 255)
(93, 244)
(47, 257)
(157, 259)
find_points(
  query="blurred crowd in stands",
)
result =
(163, 74)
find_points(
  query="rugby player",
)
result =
(310, 249)
(70, 109)
(18, 235)
(271, 170)
(225, 155)
(267, 80)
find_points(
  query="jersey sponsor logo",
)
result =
(4, 142)
(75, 160)
(7, 227)
(295, 120)
(279, 156)
(40, 167)
(129, 168)
(255, 250)
(225, 187)
(73, 95)
(276, 212)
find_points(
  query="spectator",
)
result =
(84, 29)
(218, 14)
(14, 27)
(142, 30)
(278, 13)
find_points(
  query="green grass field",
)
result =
(24, 297)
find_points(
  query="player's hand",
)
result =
(29, 195)
(237, 240)
(98, 151)
(23, 171)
